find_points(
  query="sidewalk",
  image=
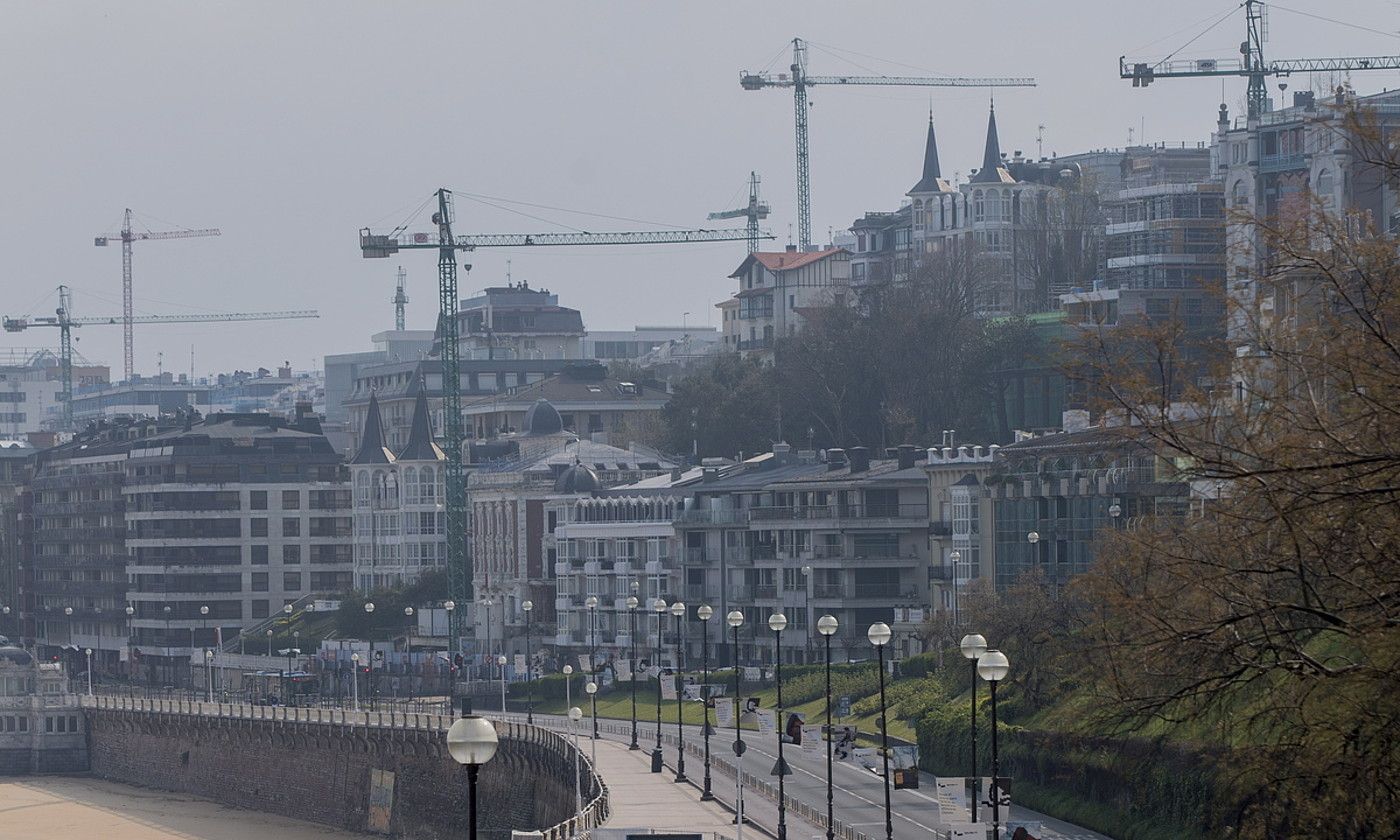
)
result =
(642, 799)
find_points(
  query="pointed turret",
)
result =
(932, 181)
(372, 448)
(420, 446)
(992, 171)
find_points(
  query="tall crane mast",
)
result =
(447, 243)
(128, 236)
(1251, 63)
(65, 322)
(753, 212)
(799, 81)
(400, 300)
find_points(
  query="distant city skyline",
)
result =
(290, 127)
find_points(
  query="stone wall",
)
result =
(321, 772)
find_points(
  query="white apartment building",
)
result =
(777, 288)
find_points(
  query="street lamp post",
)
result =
(591, 602)
(704, 613)
(568, 685)
(575, 715)
(169, 661)
(776, 623)
(527, 607)
(471, 741)
(208, 675)
(827, 625)
(487, 603)
(678, 613)
(355, 680)
(450, 606)
(993, 667)
(659, 605)
(632, 639)
(408, 642)
(591, 689)
(501, 661)
(955, 557)
(369, 631)
(879, 636)
(735, 620)
(973, 646)
(89, 674)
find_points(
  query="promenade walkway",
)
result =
(643, 799)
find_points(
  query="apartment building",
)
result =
(1066, 489)
(961, 546)
(239, 513)
(400, 525)
(775, 289)
(75, 564)
(512, 543)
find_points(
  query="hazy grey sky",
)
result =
(292, 125)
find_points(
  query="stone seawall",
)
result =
(321, 771)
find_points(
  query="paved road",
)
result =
(858, 794)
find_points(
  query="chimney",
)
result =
(782, 453)
(709, 474)
(962, 452)
(934, 454)
(860, 459)
(906, 456)
(676, 473)
(835, 459)
(947, 453)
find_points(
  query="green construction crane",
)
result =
(447, 243)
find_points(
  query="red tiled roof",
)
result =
(786, 260)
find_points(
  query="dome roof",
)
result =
(577, 478)
(543, 419)
(15, 656)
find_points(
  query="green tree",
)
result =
(727, 407)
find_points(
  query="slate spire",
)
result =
(420, 446)
(372, 448)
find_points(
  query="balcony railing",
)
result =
(840, 512)
(712, 517)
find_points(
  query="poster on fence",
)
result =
(969, 831)
(792, 727)
(752, 674)
(724, 714)
(668, 687)
(520, 663)
(585, 663)
(749, 716)
(692, 691)
(623, 669)
(812, 739)
(951, 792)
(843, 741)
(904, 766)
(767, 721)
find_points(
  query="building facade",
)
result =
(775, 288)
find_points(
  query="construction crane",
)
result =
(754, 211)
(65, 322)
(400, 301)
(129, 236)
(1251, 64)
(447, 243)
(799, 81)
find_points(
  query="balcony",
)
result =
(828, 591)
(765, 592)
(711, 518)
(874, 516)
(757, 343)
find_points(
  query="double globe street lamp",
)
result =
(777, 622)
(678, 613)
(993, 667)
(735, 620)
(973, 646)
(879, 635)
(704, 613)
(827, 626)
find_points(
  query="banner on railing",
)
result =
(843, 741)
(812, 739)
(623, 669)
(792, 727)
(668, 687)
(767, 721)
(904, 766)
(724, 715)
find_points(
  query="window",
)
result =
(259, 557)
(257, 526)
(257, 500)
(260, 609)
(291, 581)
(978, 206)
(291, 500)
(259, 584)
(291, 554)
(291, 527)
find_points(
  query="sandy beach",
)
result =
(63, 807)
